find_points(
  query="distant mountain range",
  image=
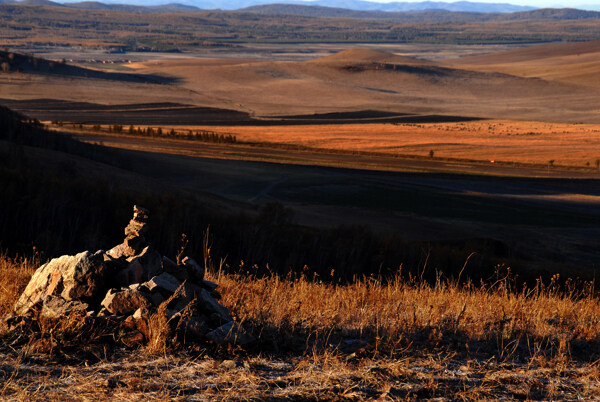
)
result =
(311, 8)
(425, 15)
(358, 5)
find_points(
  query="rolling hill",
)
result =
(361, 79)
(572, 63)
(424, 15)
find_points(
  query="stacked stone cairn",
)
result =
(128, 284)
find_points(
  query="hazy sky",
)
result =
(533, 3)
(590, 4)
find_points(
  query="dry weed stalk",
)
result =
(159, 327)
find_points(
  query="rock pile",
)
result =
(130, 283)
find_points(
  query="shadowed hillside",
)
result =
(12, 62)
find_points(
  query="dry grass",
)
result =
(394, 315)
(498, 140)
(14, 275)
(402, 340)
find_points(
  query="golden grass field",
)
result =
(498, 140)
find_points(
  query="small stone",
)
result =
(177, 271)
(140, 210)
(194, 327)
(157, 299)
(231, 333)
(169, 265)
(124, 302)
(133, 339)
(141, 268)
(141, 313)
(194, 269)
(135, 243)
(121, 251)
(132, 274)
(57, 307)
(129, 323)
(136, 228)
(208, 304)
(164, 281)
(208, 285)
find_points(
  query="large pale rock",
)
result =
(124, 301)
(79, 277)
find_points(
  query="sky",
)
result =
(533, 3)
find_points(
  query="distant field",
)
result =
(490, 140)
